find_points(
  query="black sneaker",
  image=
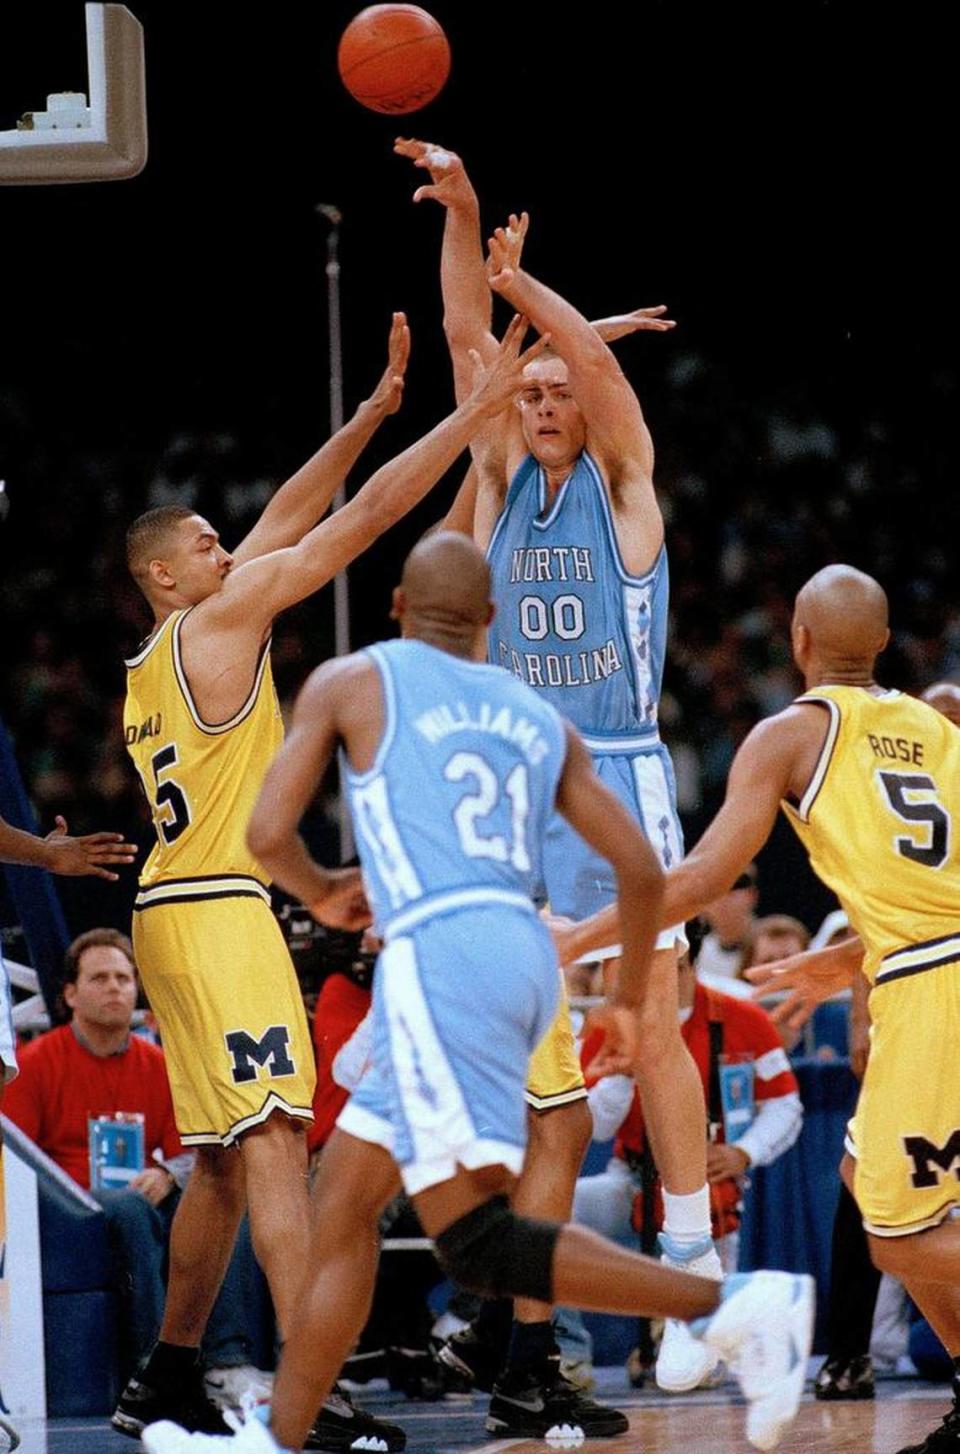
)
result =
(473, 1362)
(10, 1439)
(187, 1404)
(339, 1427)
(845, 1378)
(945, 1440)
(540, 1403)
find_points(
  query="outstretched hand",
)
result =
(449, 184)
(641, 320)
(496, 384)
(388, 394)
(343, 902)
(506, 250)
(620, 1049)
(808, 978)
(79, 857)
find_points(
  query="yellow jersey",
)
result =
(878, 821)
(201, 780)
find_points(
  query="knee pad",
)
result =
(495, 1252)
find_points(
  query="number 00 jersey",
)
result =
(454, 809)
(201, 780)
(878, 821)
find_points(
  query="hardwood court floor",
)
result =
(703, 1423)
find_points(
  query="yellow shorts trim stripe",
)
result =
(272, 1103)
(562, 1098)
(916, 958)
(204, 886)
(554, 1077)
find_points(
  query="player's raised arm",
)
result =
(256, 592)
(306, 496)
(59, 853)
(467, 303)
(336, 895)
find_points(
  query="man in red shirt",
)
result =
(94, 1067)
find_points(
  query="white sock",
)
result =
(686, 1219)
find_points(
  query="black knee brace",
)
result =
(492, 1251)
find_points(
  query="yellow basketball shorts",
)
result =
(218, 976)
(905, 1132)
(554, 1077)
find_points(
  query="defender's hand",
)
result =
(388, 394)
(496, 386)
(79, 857)
(621, 1045)
(641, 320)
(343, 902)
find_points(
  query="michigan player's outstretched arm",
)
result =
(775, 762)
(255, 593)
(600, 818)
(306, 496)
(810, 978)
(337, 694)
(59, 853)
(617, 433)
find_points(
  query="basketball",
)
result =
(393, 58)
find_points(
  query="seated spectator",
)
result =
(730, 919)
(624, 1201)
(776, 936)
(94, 1067)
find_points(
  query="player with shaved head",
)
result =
(870, 780)
(454, 770)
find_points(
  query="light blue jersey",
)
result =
(589, 637)
(462, 788)
(571, 621)
(450, 821)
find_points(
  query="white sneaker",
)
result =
(683, 1361)
(237, 1385)
(764, 1329)
(250, 1437)
(9, 1438)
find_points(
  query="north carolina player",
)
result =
(566, 509)
(870, 780)
(202, 724)
(454, 772)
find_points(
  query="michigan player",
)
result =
(58, 853)
(202, 725)
(566, 510)
(870, 780)
(455, 770)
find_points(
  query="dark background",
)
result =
(782, 176)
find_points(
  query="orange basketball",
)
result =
(393, 58)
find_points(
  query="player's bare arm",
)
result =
(776, 762)
(340, 702)
(467, 304)
(59, 853)
(223, 636)
(306, 496)
(810, 978)
(616, 432)
(603, 821)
